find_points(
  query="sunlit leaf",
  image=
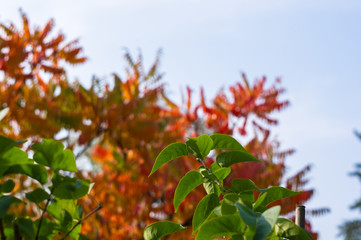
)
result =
(221, 226)
(51, 153)
(172, 151)
(243, 185)
(204, 208)
(226, 142)
(190, 181)
(270, 195)
(160, 229)
(227, 159)
(204, 145)
(287, 229)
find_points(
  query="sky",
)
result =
(314, 46)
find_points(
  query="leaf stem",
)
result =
(210, 172)
(83, 219)
(42, 216)
(2, 230)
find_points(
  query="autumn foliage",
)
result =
(118, 128)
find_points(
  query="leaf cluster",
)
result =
(56, 195)
(225, 212)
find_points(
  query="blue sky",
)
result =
(314, 46)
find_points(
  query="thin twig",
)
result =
(94, 199)
(2, 230)
(42, 216)
(210, 172)
(83, 219)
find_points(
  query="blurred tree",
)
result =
(351, 230)
(120, 128)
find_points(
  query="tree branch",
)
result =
(83, 219)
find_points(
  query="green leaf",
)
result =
(226, 159)
(212, 187)
(9, 232)
(227, 225)
(26, 227)
(13, 156)
(260, 225)
(78, 214)
(37, 196)
(55, 210)
(69, 188)
(245, 187)
(228, 206)
(36, 172)
(7, 143)
(226, 142)
(222, 173)
(160, 229)
(75, 234)
(204, 145)
(48, 229)
(51, 153)
(215, 166)
(248, 215)
(193, 148)
(209, 182)
(5, 203)
(190, 181)
(83, 237)
(216, 212)
(270, 195)
(266, 222)
(204, 208)
(287, 229)
(172, 151)
(7, 186)
(70, 205)
(66, 221)
(238, 237)
(240, 185)
(247, 198)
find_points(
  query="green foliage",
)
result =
(58, 199)
(204, 209)
(225, 211)
(270, 195)
(172, 151)
(161, 229)
(190, 181)
(52, 154)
